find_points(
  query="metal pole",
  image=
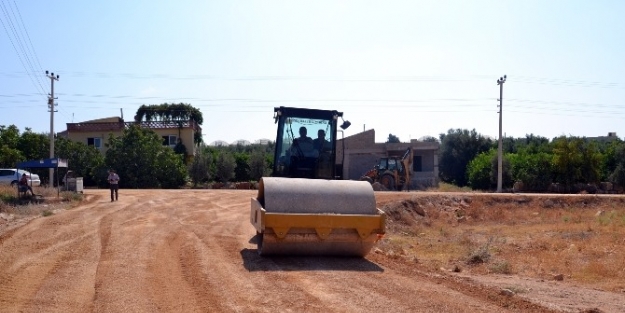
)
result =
(500, 82)
(51, 106)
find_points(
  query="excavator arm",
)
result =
(406, 161)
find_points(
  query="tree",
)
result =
(480, 171)
(613, 155)
(10, 154)
(142, 161)
(591, 162)
(9, 136)
(506, 177)
(258, 165)
(566, 160)
(532, 144)
(34, 146)
(170, 172)
(85, 161)
(242, 169)
(225, 166)
(458, 148)
(429, 139)
(199, 170)
(533, 169)
(392, 139)
(181, 150)
(617, 174)
(9, 157)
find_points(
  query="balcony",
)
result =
(118, 126)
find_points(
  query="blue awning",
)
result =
(45, 163)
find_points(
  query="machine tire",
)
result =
(13, 183)
(388, 181)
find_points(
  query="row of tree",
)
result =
(139, 157)
(231, 163)
(466, 158)
(470, 159)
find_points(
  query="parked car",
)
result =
(12, 177)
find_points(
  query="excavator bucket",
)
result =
(298, 216)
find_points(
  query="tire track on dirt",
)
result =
(126, 236)
(193, 251)
(57, 247)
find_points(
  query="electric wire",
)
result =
(412, 78)
(41, 92)
(32, 48)
(465, 104)
(18, 39)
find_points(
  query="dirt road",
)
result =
(193, 251)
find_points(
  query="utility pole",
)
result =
(51, 105)
(500, 82)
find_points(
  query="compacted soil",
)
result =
(195, 251)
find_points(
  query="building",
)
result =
(362, 152)
(610, 137)
(96, 132)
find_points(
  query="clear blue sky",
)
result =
(410, 68)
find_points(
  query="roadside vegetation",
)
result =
(467, 159)
(46, 201)
(549, 237)
(536, 164)
(139, 156)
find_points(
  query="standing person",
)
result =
(113, 180)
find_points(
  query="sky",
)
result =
(407, 68)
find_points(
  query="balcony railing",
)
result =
(118, 126)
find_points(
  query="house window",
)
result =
(170, 140)
(417, 165)
(95, 141)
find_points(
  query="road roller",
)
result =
(305, 208)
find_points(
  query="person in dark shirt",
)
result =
(23, 185)
(320, 143)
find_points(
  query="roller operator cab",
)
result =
(304, 209)
(306, 143)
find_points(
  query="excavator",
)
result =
(392, 173)
(304, 208)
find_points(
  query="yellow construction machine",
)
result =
(304, 208)
(393, 173)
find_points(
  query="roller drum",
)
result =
(341, 217)
(301, 195)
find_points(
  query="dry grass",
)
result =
(46, 201)
(445, 187)
(580, 237)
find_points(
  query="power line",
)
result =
(425, 100)
(361, 103)
(28, 36)
(23, 55)
(566, 82)
(20, 41)
(409, 78)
